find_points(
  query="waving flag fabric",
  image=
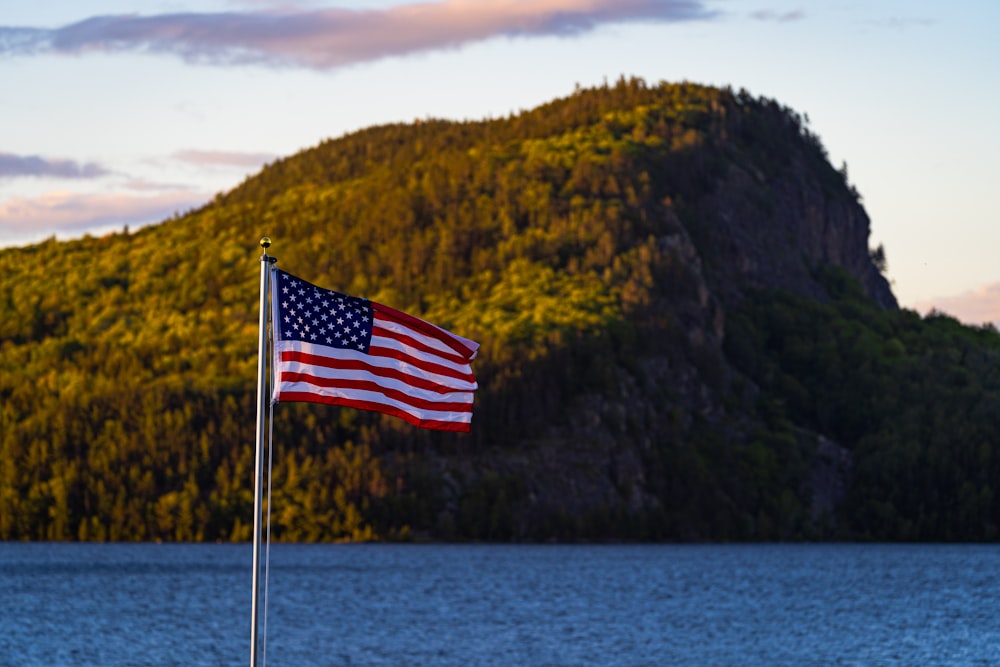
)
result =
(342, 350)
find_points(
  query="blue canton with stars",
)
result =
(312, 314)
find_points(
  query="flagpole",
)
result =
(265, 264)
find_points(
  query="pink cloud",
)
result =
(975, 307)
(70, 212)
(329, 38)
(225, 158)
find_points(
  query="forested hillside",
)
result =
(684, 337)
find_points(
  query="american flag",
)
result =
(343, 350)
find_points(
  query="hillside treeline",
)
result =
(608, 408)
(915, 400)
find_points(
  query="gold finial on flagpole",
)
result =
(265, 242)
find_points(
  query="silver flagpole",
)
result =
(265, 273)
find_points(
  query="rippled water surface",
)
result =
(146, 604)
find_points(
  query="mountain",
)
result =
(685, 336)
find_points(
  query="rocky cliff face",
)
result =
(776, 230)
(630, 458)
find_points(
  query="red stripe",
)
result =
(423, 327)
(392, 373)
(367, 385)
(436, 424)
(409, 341)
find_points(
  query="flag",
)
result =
(343, 350)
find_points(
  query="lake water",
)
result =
(146, 604)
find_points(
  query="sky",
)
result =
(116, 112)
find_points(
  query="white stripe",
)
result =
(374, 397)
(389, 383)
(444, 381)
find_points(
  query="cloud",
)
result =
(71, 212)
(224, 158)
(974, 307)
(13, 166)
(781, 17)
(902, 22)
(330, 38)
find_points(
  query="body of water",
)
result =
(526, 605)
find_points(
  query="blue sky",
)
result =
(118, 112)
